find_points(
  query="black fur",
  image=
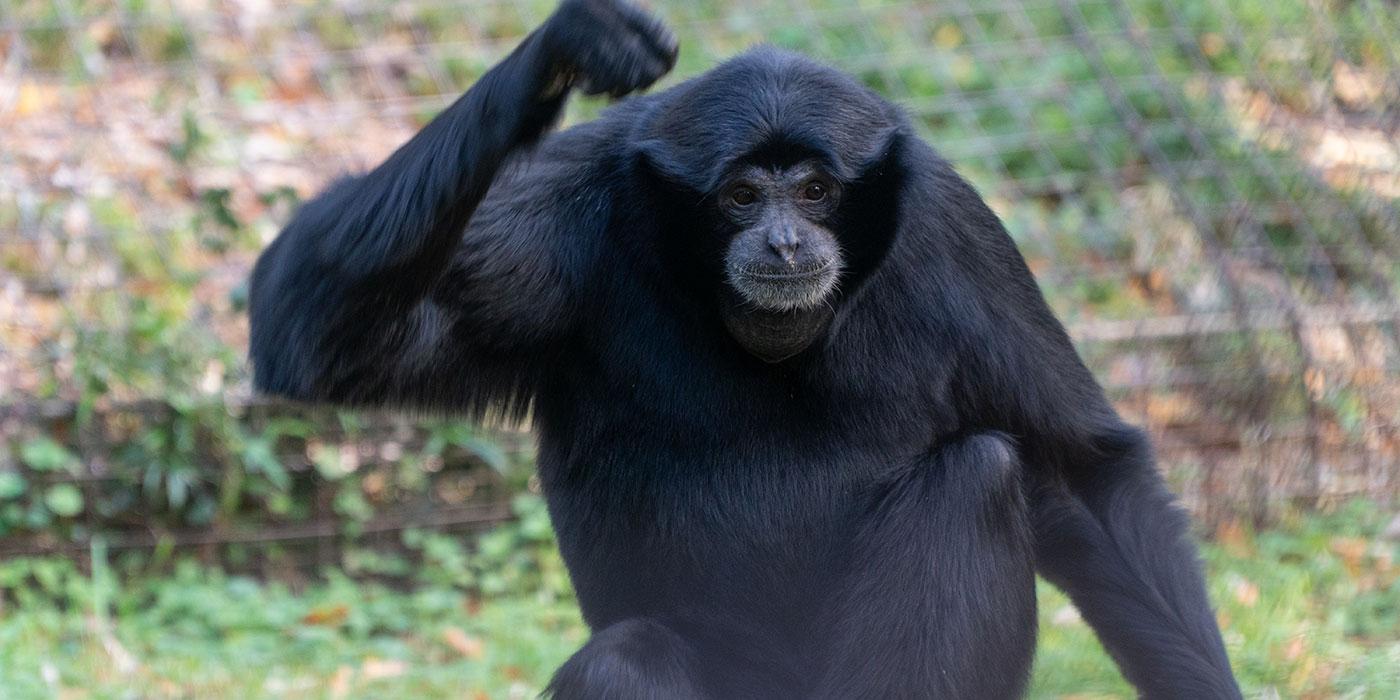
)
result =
(846, 523)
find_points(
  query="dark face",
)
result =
(782, 263)
(783, 257)
(793, 167)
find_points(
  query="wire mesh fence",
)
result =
(1206, 190)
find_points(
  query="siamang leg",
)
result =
(939, 600)
(634, 659)
(1116, 543)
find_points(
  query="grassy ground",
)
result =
(172, 174)
(1311, 609)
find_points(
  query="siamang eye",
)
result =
(815, 191)
(743, 196)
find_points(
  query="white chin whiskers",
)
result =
(774, 291)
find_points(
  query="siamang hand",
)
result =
(606, 46)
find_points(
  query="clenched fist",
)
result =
(605, 46)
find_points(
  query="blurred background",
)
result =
(1207, 190)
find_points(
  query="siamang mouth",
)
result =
(792, 273)
(785, 288)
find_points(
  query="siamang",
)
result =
(807, 427)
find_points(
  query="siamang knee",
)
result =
(633, 659)
(975, 479)
(985, 465)
(939, 599)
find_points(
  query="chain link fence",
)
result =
(1206, 189)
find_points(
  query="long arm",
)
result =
(1106, 528)
(366, 296)
(1111, 536)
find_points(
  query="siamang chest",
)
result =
(662, 442)
(687, 386)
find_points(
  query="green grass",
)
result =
(1310, 609)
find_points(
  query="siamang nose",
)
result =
(783, 240)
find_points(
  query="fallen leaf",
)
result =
(1067, 616)
(375, 669)
(466, 645)
(1356, 87)
(35, 98)
(329, 615)
(1212, 44)
(1351, 550)
(1246, 592)
(1235, 539)
(948, 36)
(1294, 650)
(340, 682)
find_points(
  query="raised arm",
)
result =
(348, 304)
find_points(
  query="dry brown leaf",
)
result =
(375, 668)
(1351, 550)
(340, 681)
(948, 36)
(466, 645)
(1246, 592)
(1295, 649)
(35, 98)
(1316, 382)
(1212, 44)
(329, 615)
(1356, 87)
(1171, 409)
(1235, 539)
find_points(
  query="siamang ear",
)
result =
(870, 158)
(677, 166)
